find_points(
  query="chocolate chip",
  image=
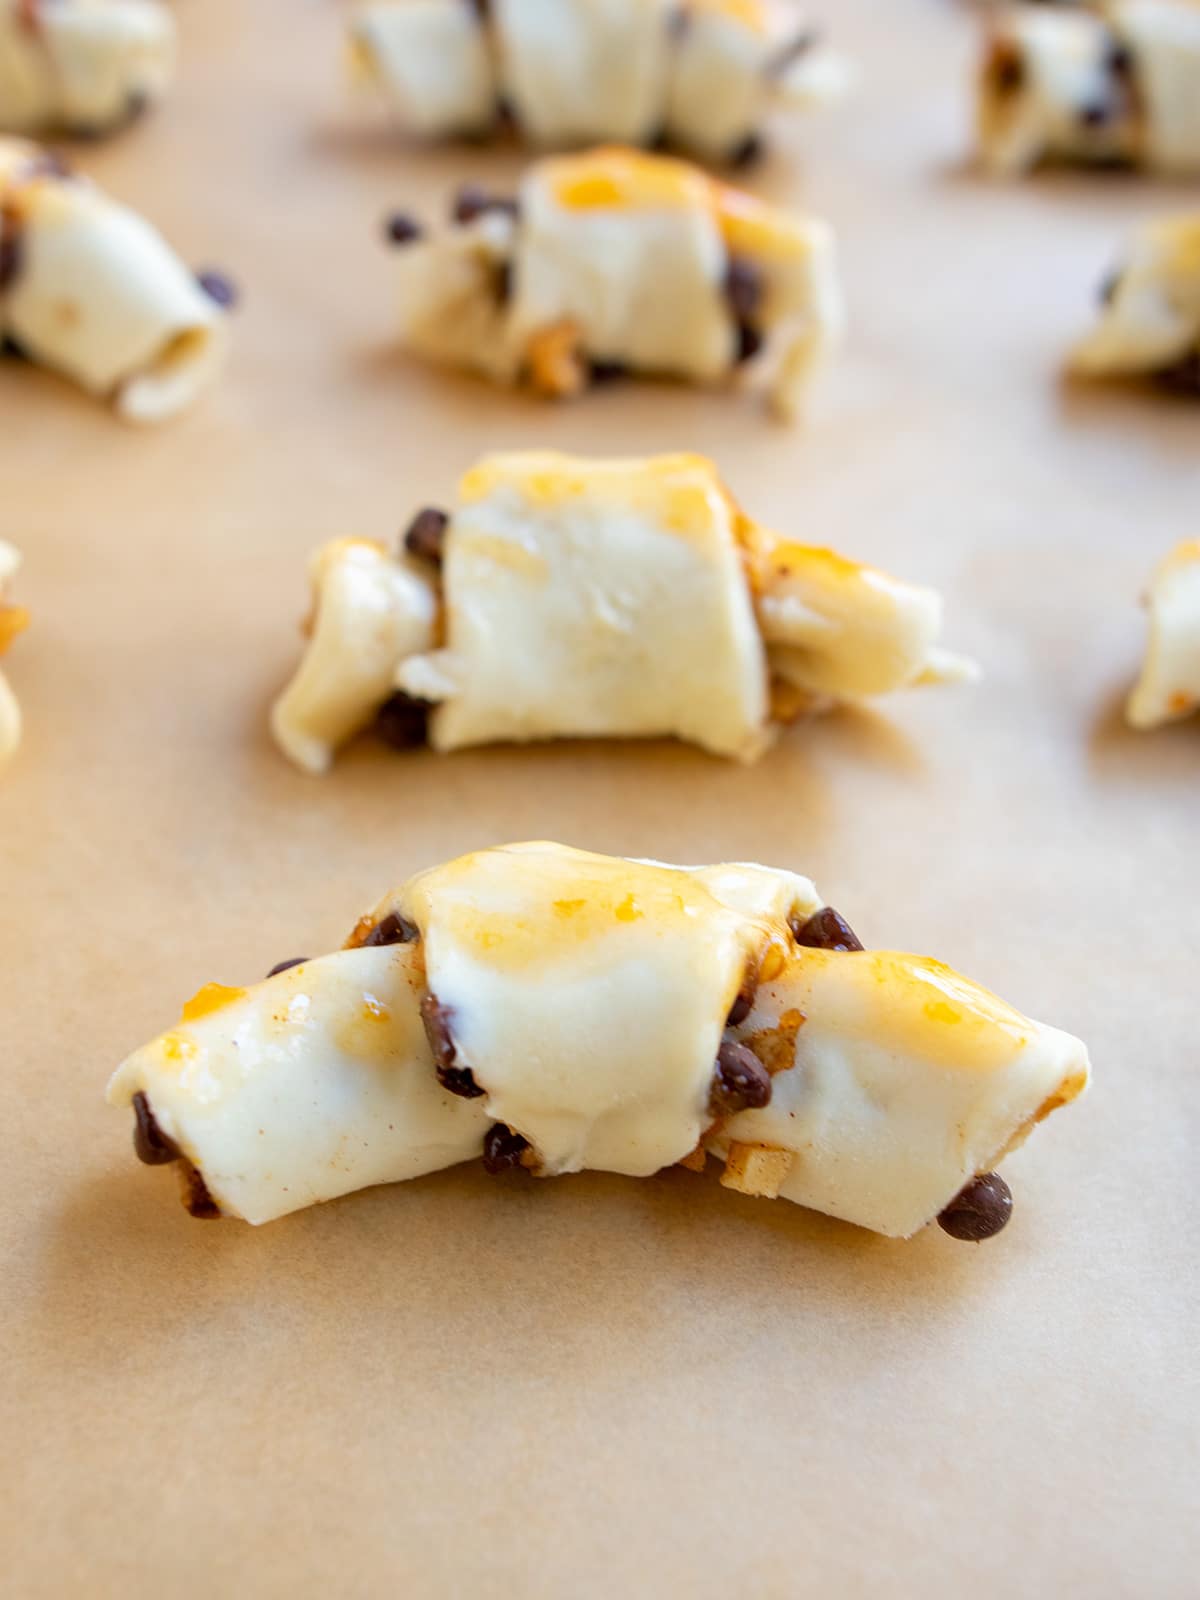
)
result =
(10, 347)
(980, 1210)
(149, 1141)
(11, 252)
(748, 153)
(740, 1081)
(1108, 289)
(426, 534)
(1006, 70)
(1096, 113)
(502, 1148)
(473, 201)
(608, 371)
(743, 288)
(1119, 59)
(749, 343)
(1182, 377)
(502, 286)
(218, 288)
(393, 929)
(403, 722)
(48, 164)
(744, 1000)
(286, 966)
(481, 8)
(788, 54)
(455, 1080)
(400, 228)
(196, 1198)
(826, 929)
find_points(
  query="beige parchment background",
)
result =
(596, 1387)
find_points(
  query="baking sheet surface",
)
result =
(598, 1387)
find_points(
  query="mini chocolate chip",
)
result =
(459, 1081)
(472, 201)
(747, 153)
(149, 1141)
(196, 1197)
(400, 228)
(137, 103)
(393, 929)
(48, 164)
(481, 8)
(743, 288)
(1096, 113)
(218, 288)
(10, 347)
(11, 251)
(608, 371)
(403, 722)
(502, 1148)
(980, 1210)
(678, 22)
(740, 1081)
(1108, 288)
(749, 343)
(286, 966)
(1007, 70)
(788, 54)
(826, 929)
(1183, 376)
(455, 1080)
(743, 1002)
(1119, 59)
(426, 534)
(502, 286)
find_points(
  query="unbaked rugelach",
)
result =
(615, 262)
(1169, 686)
(1114, 83)
(565, 597)
(699, 75)
(1149, 323)
(553, 1010)
(91, 291)
(82, 66)
(13, 620)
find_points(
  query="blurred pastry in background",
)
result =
(1149, 322)
(614, 263)
(91, 291)
(1169, 686)
(700, 76)
(574, 598)
(83, 67)
(1113, 84)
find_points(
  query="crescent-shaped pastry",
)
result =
(1169, 686)
(549, 1009)
(82, 66)
(574, 598)
(616, 262)
(13, 620)
(1115, 83)
(1149, 324)
(700, 75)
(90, 290)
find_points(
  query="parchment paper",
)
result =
(597, 1387)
